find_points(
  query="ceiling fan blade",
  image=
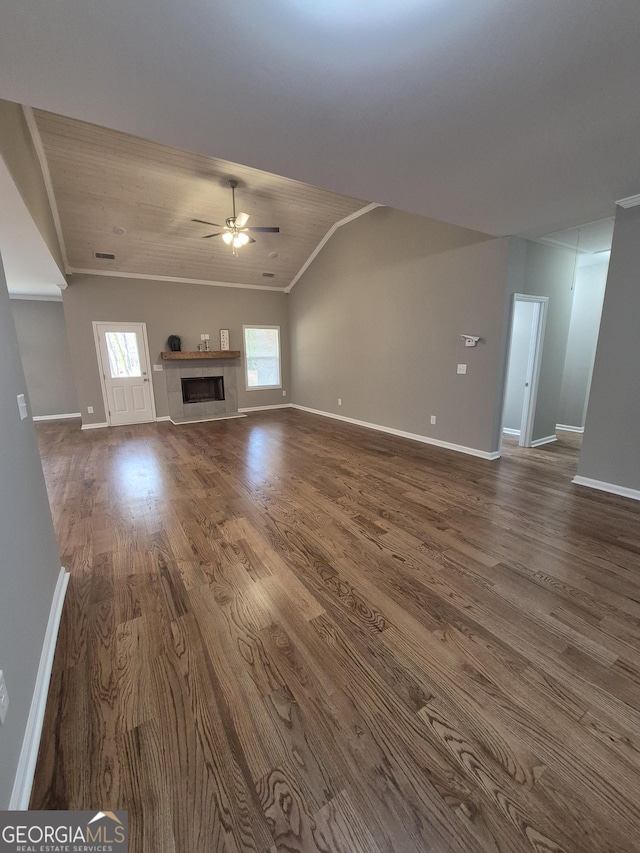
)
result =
(264, 230)
(251, 240)
(204, 222)
(217, 234)
(241, 220)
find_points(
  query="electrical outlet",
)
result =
(433, 419)
(90, 409)
(4, 699)
(462, 368)
(284, 393)
(339, 401)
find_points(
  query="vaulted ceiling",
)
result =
(121, 195)
(507, 116)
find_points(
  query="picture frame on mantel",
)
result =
(224, 339)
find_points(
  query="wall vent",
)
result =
(268, 275)
(105, 256)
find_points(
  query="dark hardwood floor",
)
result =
(286, 633)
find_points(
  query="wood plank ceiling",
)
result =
(105, 180)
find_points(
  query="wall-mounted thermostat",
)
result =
(224, 338)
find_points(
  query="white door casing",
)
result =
(540, 304)
(532, 377)
(123, 362)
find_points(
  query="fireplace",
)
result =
(204, 389)
(198, 391)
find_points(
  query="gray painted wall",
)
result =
(29, 562)
(376, 321)
(167, 308)
(518, 362)
(549, 271)
(610, 449)
(46, 358)
(588, 296)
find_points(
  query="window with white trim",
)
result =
(262, 357)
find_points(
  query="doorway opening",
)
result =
(528, 319)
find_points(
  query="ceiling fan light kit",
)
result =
(234, 232)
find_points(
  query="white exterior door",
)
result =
(123, 358)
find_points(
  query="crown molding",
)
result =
(326, 238)
(34, 297)
(44, 166)
(632, 201)
(173, 279)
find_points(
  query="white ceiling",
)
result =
(508, 116)
(28, 266)
(592, 238)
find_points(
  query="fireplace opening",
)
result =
(205, 389)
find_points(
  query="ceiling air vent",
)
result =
(268, 275)
(104, 256)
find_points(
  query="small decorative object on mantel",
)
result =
(174, 343)
(224, 339)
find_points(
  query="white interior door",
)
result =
(123, 357)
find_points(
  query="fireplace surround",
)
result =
(211, 396)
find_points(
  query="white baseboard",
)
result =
(23, 782)
(568, 428)
(613, 488)
(546, 440)
(537, 443)
(264, 408)
(460, 448)
(94, 426)
(163, 418)
(56, 417)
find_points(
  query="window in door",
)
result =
(122, 348)
(262, 357)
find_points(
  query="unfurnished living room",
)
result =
(319, 442)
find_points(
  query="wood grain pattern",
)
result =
(299, 635)
(103, 178)
(197, 355)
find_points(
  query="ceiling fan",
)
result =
(235, 233)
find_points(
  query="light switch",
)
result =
(158, 368)
(22, 406)
(4, 699)
(462, 368)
